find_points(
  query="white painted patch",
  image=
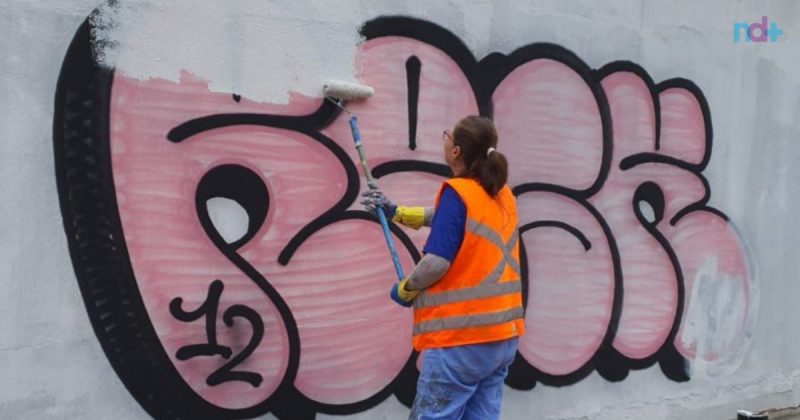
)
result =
(258, 49)
(713, 320)
(712, 316)
(263, 50)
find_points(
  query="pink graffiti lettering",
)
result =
(625, 264)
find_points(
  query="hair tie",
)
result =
(489, 151)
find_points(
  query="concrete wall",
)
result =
(216, 261)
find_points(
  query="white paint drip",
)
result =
(260, 50)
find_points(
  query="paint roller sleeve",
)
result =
(346, 90)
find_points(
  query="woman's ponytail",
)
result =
(494, 173)
(477, 138)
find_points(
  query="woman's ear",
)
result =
(456, 151)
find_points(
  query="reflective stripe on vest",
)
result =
(466, 321)
(489, 286)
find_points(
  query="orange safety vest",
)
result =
(479, 299)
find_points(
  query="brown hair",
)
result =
(475, 135)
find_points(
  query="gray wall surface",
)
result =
(737, 324)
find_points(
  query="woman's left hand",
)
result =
(403, 296)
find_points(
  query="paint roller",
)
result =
(337, 92)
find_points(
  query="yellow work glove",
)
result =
(402, 296)
(413, 217)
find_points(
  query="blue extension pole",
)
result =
(371, 181)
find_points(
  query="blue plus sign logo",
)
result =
(757, 32)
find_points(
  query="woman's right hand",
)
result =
(413, 217)
(374, 198)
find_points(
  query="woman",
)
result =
(466, 289)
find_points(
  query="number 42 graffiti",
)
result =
(209, 310)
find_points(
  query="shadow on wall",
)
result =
(624, 263)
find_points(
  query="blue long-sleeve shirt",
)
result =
(447, 226)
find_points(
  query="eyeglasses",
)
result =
(446, 135)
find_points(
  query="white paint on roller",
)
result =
(345, 90)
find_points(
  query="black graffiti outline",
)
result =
(212, 184)
(311, 125)
(612, 365)
(208, 310)
(88, 205)
(484, 76)
(672, 364)
(524, 376)
(96, 238)
(99, 255)
(225, 373)
(413, 68)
